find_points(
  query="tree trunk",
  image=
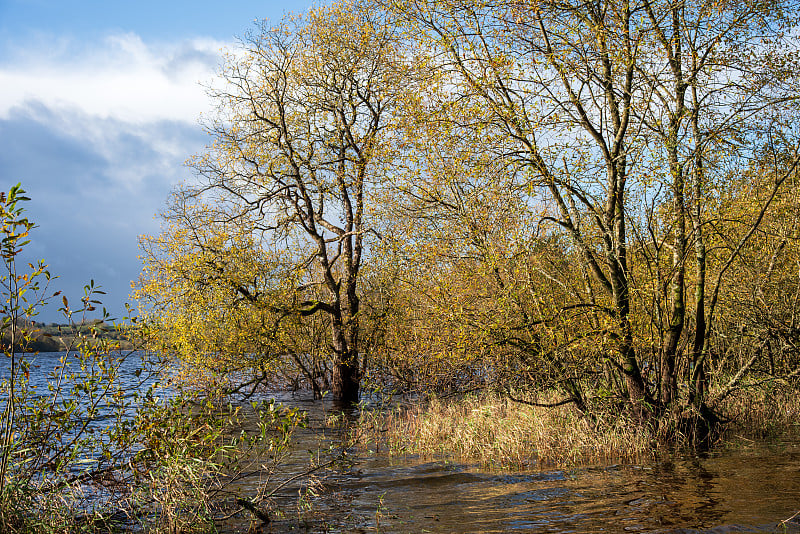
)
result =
(345, 383)
(346, 379)
(637, 392)
(677, 313)
(697, 378)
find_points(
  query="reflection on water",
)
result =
(748, 491)
(751, 488)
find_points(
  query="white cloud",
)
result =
(121, 78)
(97, 133)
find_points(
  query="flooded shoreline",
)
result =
(746, 486)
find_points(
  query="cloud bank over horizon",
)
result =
(97, 134)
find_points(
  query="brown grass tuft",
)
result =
(762, 411)
(500, 433)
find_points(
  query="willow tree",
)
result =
(611, 112)
(553, 85)
(215, 296)
(300, 136)
(719, 78)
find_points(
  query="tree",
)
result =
(710, 73)
(556, 83)
(300, 138)
(226, 303)
(754, 299)
(476, 305)
(616, 120)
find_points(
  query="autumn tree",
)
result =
(217, 297)
(554, 86)
(476, 305)
(300, 138)
(714, 96)
(616, 120)
(754, 299)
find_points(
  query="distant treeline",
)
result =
(54, 337)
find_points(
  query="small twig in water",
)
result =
(783, 522)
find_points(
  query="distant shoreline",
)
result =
(54, 337)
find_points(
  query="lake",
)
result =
(746, 487)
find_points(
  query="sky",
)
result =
(100, 106)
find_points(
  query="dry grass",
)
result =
(500, 433)
(769, 410)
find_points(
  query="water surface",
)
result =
(747, 487)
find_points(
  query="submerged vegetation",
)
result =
(95, 442)
(500, 433)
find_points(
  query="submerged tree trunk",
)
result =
(677, 306)
(697, 378)
(346, 379)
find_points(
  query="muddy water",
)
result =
(749, 488)
(732, 492)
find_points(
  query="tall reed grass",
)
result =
(500, 433)
(762, 411)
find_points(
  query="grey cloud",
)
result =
(189, 59)
(95, 186)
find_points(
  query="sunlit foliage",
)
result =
(522, 196)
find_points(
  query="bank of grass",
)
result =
(762, 411)
(498, 432)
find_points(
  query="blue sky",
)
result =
(99, 108)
